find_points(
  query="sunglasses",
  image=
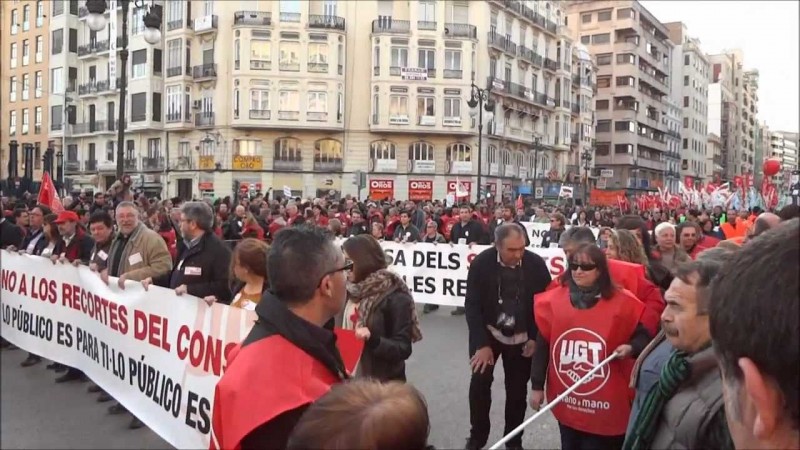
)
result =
(584, 267)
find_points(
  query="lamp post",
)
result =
(152, 35)
(586, 157)
(537, 145)
(480, 98)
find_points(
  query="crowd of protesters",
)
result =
(661, 323)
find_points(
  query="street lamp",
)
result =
(96, 21)
(586, 157)
(480, 98)
(537, 145)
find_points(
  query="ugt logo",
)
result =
(575, 353)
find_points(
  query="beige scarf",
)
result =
(373, 290)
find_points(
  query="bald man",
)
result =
(764, 222)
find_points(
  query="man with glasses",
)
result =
(289, 347)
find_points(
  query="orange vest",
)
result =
(263, 380)
(579, 341)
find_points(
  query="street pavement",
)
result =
(36, 413)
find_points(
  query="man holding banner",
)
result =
(289, 359)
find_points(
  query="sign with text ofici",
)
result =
(419, 190)
(381, 189)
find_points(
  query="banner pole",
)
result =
(550, 405)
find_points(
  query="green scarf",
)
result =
(676, 370)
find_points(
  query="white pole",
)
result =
(551, 404)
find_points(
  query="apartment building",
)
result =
(632, 51)
(713, 165)
(690, 74)
(763, 150)
(255, 95)
(583, 122)
(24, 78)
(784, 147)
(672, 157)
(749, 116)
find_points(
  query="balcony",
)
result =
(153, 163)
(385, 24)
(177, 117)
(426, 25)
(453, 73)
(206, 24)
(93, 48)
(318, 67)
(72, 166)
(289, 66)
(87, 89)
(460, 30)
(328, 165)
(316, 116)
(288, 115)
(204, 119)
(183, 162)
(550, 65)
(260, 114)
(501, 43)
(529, 56)
(320, 22)
(178, 24)
(177, 71)
(98, 126)
(576, 108)
(131, 164)
(252, 18)
(90, 165)
(56, 126)
(205, 72)
(287, 165)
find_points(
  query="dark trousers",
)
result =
(517, 370)
(573, 439)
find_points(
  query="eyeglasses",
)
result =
(348, 266)
(586, 267)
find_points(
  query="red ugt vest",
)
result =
(262, 381)
(579, 341)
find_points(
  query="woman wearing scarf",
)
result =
(381, 311)
(581, 323)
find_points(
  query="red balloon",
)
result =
(771, 167)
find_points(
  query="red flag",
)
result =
(48, 195)
(520, 204)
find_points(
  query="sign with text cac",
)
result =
(381, 189)
(420, 190)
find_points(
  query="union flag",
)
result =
(48, 195)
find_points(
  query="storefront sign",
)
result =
(207, 163)
(247, 163)
(381, 189)
(420, 190)
(206, 185)
(454, 189)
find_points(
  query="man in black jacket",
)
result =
(471, 231)
(203, 262)
(501, 284)
(10, 234)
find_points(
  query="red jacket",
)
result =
(172, 245)
(253, 231)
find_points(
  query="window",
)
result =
(602, 149)
(459, 152)
(13, 55)
(260, 55)
(604, 16)
(687, 60)
(26, 85)
(156, 107)
(289, 101)
(427, 10)
(586, 39)
(246, 147)
(427, 58)
(73, 40)
(13, 89)
(12, 123)
(452, 107)
(625, 125)
(259, 101)
(157, 61)
(601, 105)
(25, 121)
(686, 80)
(139, 107)
(685, 122)
(26, 17)
(425, 107)
(317, 57)
(604, 59)
(57, 80)
(586, 18)
(626, 58)
(288, 149)
(137, 21)
(328, 151)
(685, 143)
(139, 64)
(685, 102)
(14, 21)
(420, 151)
(174, 57)
(452, 62)
(398, 106)
(623, 148)
(154, 148)
(39, 49)
(626, 81)
(174, 103)
(602, 38)
(58, 8)
(289, 56)
(317, 102)
(399, 57)
(26, 52)
(457, 11)
(37, 84)
(604, 82)
(383, 150)
(625, 13)
(603, 126)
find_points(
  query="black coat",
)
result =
(472, 232)
(389, 344)
(481, 304)
(204, 269)
(10, 234)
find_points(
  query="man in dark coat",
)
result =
(10, 234)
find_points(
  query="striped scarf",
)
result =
(676, 370)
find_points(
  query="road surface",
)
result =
(37, 413)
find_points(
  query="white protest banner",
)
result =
(158, 354)
(536, 232)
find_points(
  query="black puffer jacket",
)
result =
(389, 344)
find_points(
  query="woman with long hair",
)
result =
(622, 245)
(602, 237)
(582, 219)
(248, 274)
(584, 321)
(382, 311)
(50, 237)
(251, 227)
(167, 232)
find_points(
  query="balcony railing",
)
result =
(463, 30)
(316, 116)
(289, 66)
(204, 71)
(72, 166)
(260, 114)
(426, 25)
(252, 18)
(175, 117)
(453, 73)
(90, 165)
(98, 126)
(258, 64)
(529, 55)
(206, 23)
(290, 17)
(131, 164)
(56, 126)
(153, 163)
(326, 22)
(204, 119)
(499, 41)
(93, 47)
(386, 24)
(288, 115)
(318, 67)
(174, 71)
(576, 108)
(550, 64)
(283, 164)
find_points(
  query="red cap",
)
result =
(66, 216)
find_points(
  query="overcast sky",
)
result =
(767, 33)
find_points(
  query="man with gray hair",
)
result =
(203, 261)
